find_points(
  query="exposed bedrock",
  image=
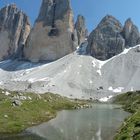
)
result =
(14, 30)
(53, 35)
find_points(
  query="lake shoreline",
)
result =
(97, 109)
(130, 129)
(27, 133)
(61, 104)
(33, 109)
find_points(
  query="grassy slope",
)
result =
(130, 130)
(40, 109)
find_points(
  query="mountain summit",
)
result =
(131, 33)
(81, 30)
(111, 38)
(52, 36)
(14, 30)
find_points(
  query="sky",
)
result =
(92, 10)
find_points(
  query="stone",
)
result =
(7, 93)
(106, 40)
(138, 49)
(29, 98)
(53, 34)
(5, 116)
(23, 98)
(131, 34)
(80, 27)
(20, 97)
(14, 30)
(16, 103)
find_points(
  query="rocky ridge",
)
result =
(111, 38)
(131, 34)
(14, 30)
(52, 36)
(81, 30)
(106, 41)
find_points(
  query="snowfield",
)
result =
(75, 76)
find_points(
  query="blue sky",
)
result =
(93, 10)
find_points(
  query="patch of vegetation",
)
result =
(130, 130)
(34, 109)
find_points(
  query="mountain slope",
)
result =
(75, 76)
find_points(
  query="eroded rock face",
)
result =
(106, 40)
(80, 27)
(131, 33)
(53, 34)
(14, 30)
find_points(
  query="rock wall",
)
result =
(53, 34)
(106, 41)
(80, 27)
(131, 34)
(110, 38)
(14, 30)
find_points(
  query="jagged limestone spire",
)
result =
(53, 34)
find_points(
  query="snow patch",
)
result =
(132, 89)
(91, 82)
(101, 63)
(77, 47)
(1, 83)
(116, 90)
(32, 80)
(125, 51)
(105, 99)
(93, 64)
(110, 88)
(99, 72)
(65, 71)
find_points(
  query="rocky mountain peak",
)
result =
(52, 10)
(129, 21)
(131, 33)
(14, 30)
(80, 27)
(106, 41)
(52, 36)
(110, 38)
(111, 22)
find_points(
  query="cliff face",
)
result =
(53, 34)
(106, 41)
(110, 38)
(14, 30)
(131, 33)
(81, 30)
